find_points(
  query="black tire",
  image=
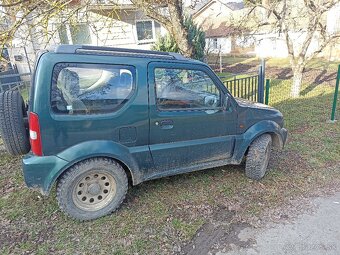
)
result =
(258, 157)
(75, 180)
(12, 125)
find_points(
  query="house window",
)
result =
(215, 46)
(145, 30)
(74, 34)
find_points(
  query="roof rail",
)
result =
(72, 49)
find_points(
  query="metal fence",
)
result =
(250, 86)
(12, 80)
(18, 77)
(245, 87)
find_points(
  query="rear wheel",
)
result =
(92, 189)
(258, 157)
(13, 130)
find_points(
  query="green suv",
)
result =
(99, 118)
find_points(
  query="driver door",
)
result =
(188, 123)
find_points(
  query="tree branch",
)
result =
(14, 4)
(151, 11)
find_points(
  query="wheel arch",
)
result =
(276, 140)
(263, 127)
(96, 149)
(126, 168)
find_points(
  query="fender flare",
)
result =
(265, 126)
(92, 149)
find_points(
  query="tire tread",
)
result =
(256, 156)
(73, 171)
(12, 127)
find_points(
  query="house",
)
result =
(115, 23)
(103, 24)
(218, 19)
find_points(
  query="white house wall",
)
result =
(120, 32)
(274, 45)
(104, 31)
(333, 19)
(223, 45)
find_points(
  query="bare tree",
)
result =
(37, 14)
(291, 17)
(38, 22)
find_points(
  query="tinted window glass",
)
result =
(90, 89)
(185, 89)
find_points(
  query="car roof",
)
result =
(122, 52)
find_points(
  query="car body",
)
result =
(152, 129)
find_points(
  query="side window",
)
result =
(185, 89)
(90, 89)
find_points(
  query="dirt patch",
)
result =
(214, 235)
(207, 236)
(211, 233)
(287, 161)
(231, 238)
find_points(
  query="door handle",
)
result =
(165, 124)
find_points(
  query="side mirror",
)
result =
(226, 103)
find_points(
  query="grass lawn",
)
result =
(164, 216)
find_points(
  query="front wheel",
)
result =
(258, 157)
(92, 188)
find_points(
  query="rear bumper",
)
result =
(40, 172)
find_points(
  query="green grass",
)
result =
(230, 60)
(316, 63)
(313, 136)
(160, 214)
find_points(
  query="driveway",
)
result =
(316, 233)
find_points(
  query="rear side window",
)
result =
(91, 88)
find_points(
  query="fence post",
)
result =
(266, 99)
(221, 66)
(259, 84)
(336, 92)
(260, 91)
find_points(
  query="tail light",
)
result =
(35, 136)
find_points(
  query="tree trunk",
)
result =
(297, 80)
(179, 31)
(181, 38)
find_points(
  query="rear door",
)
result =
(188, 123)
